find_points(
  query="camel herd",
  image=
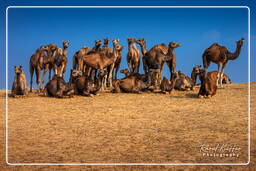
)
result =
(95, 69)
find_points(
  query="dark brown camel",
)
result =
(209, 84)
(57, 87)
(157, 55)
(167, 86)
(129, 85)
(127, 73)
(19, 86)
(220, 55)
(84, 85)
(133, 56)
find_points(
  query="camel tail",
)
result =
(206, 62)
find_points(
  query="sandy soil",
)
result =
(128, 128)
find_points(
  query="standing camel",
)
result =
(37, 63)
(61, 60)
(79, 55)
(157, 55)
(118, 60)
(133, 56)
(220, 56)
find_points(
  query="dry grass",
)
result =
(127, 128)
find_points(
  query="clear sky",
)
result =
(196, 29)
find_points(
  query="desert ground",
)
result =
(128, 128)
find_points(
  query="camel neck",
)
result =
(65, 50)
(143, 49)
(233, 56)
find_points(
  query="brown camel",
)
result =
(38, 61)
(220, 55)
(195, 72)
(100, 60)
(79, 55)
(133, 56)
(209, 84)
(183, 82)
(129, 85)
(19, 86)
(61, 60)
(141, 77)
(84, 85)
(57, 87)
(167, 86)
(119, 57)
(157, 55)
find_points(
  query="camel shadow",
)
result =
(191, 95)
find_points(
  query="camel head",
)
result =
(196, 69)
(46, 48)
(106, 41)
(18, 69)
(130, 40)
(115, 42)
(141, 42)
(53, 47)
(65, 44)
(240, 42)
(98, 43)
(124, 71)
(174, 45)
(76, 73)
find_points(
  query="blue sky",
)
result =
(196, 29)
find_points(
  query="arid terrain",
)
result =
(129, 128)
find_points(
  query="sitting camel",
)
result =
(142, 77)
(57, 87)
(19, 86)
(84, 85)
(133, 56)
(167, 86)
(183, 82)
(195, 72)
(209, 84)
(129, 85)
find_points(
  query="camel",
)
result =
(209, 84)
(79, 55)
(119, 58)
(105, 47)
(100, 60)
(183, 82)
(129, 85)
(133, 56)
(38, 61)
(61, 60)
(57, 87)
(195, 72)
(19, 86)
(157, 55)
(84, 85)
(167, 86)
(220, 55)
(141, 77)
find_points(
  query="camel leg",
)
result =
(45, 70)
(221, 74)
(111, 75)
(130, 66)
(31, 70)
(117, 69)
(218, 75)
(145, 65)
(38, 78)
(49, 76)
